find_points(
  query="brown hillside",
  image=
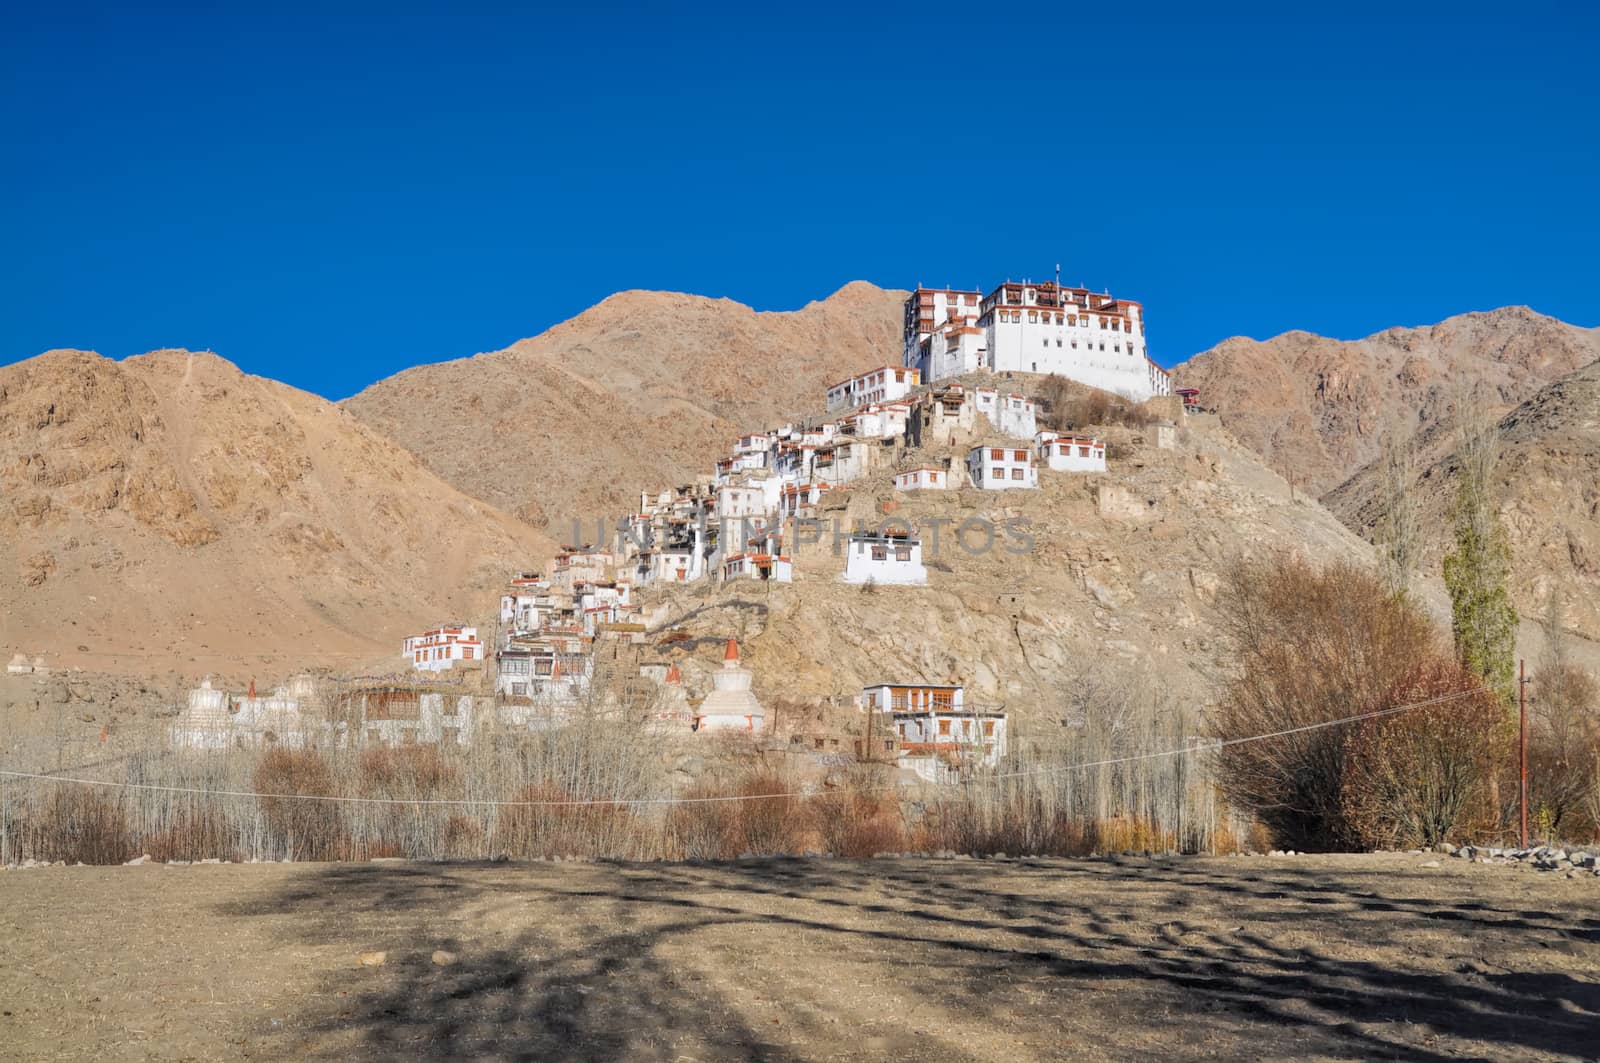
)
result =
(170, 512)
(1317, 408)
(642, 389)
(1549, 485)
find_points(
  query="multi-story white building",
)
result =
(1000, 468)
(942, 337)
(440, 649)
(1071, 453)
(1092, 338)
(883, 384)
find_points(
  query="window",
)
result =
(1083, 452)
(519, 690)
(466, 653)
(1016, 474)
(1033, 317)
(944, 727)
(902, 553)
(1044, 341)
(988, 728)
(997, 455)
(1020, 455)
(880, 553)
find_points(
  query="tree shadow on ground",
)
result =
(1090, 958)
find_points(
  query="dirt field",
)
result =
(1260, 958)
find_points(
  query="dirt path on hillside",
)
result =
(1331, 957)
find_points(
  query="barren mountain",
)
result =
(642, 389)
(1548, 483)
(1317, 409)
(170, 512)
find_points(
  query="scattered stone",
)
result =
(1429, 863)
(138, 860)
(373, 959)
(1445, 848)
(441, 958)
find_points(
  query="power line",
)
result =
(729, 798)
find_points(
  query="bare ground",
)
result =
(1261, 958)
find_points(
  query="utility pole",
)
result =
(1522, 745)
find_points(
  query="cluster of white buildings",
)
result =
(738, 522)
(1033, 328)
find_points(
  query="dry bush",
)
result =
(83, 825)
(704, 827)
(1563, 751)
(301, 826)
(1412, 778)
(407, 770)
(198, 831)
(551, 821)
(771, 821)
(858, 820)
(1312, 645)
(1070, 406)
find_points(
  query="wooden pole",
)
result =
(1522, 745)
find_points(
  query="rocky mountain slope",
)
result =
(169, 512)
(635, 391)
(1121, 580)
(1317, 409)
(1548, 482)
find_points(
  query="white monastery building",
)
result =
(883, 384)
(885, 557)
(440, 649)
(1026, 327)
(923, 478)
(1067, 453)
(1001, 468)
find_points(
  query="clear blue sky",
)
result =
(329, 198)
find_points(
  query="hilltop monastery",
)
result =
(562, 636)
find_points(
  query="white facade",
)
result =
(440, 649)
(923, 478)
(1013, 415)
(1035, 328)
(997, 468)
(979, 735)
(1067, 453)
(942, 337)
(883, 384)
(884, 558)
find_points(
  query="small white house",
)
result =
(996, 468)
(439, 650)
(883, 384)
(885, 557)
(1068, 453)
(923, 478)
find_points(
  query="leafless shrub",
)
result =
(85, 826)
(1411, 778)
(1311, 645)
(305, 827)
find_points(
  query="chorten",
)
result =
(731, 706)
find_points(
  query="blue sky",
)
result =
(330, 198)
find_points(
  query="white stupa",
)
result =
(731, 706)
